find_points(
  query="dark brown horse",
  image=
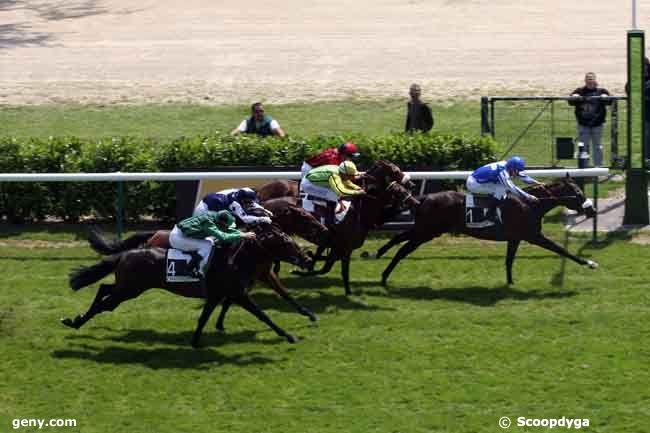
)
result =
(141, 269)
(444, 212)
(291, 219)
(381, 174)
(365, 213)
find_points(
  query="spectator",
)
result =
(418, 114)
(590, 115)
(259, 123)
(332, 156)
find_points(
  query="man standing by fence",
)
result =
(590, 108)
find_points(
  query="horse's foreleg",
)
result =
(397, 239)
(208, 308)
(345, 273)
(225, 306)
(331, 259)
(510, 258)
(247, 303)
(546, 243)
(404, 251)
(274, 282)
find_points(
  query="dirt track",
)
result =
(223, 51)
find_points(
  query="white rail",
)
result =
(259, 175)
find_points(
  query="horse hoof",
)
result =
(313, 317)
(68, 322)
(291, 339)
(220, 329)
(592, 264)
(365, 255)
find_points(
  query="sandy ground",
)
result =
(224, 51)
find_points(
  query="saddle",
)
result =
(321, 208)
(481, 211)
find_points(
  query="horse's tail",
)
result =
(82, 277)
(99, 244)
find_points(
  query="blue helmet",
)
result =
(245, 194)
(516, 163)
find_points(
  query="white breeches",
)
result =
(495, 189)
(181, 242)
(321, 192)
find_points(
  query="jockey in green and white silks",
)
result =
(496, 179)
(199, 233)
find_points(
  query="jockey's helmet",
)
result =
(225, 220)
(245, 194)
(348, 167)
(516, 163)
(349, 149)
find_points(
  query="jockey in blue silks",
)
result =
(496, 179)
(235, 201)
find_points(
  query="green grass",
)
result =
(447, 348)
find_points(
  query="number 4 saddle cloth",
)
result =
(181, 268)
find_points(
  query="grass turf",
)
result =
(447, 348)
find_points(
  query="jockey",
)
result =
(333, 156)
(236, 201)
(496, 179)
(329, 183)
(199, 233)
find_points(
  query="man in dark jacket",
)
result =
(418, 114)
(590, 102)
(259, 123)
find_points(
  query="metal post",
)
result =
(583, 159)
(594, 233)
(552, 134)
(120, 209)
(485, 123)
(492, 124)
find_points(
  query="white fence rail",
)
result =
(260, 175)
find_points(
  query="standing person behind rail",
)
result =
(418, 113)
(590, 115)
(259, 123)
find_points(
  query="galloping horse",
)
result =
(291, 219)
(444, 212)
(139, 270)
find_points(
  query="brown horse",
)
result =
(291, 219)
(381, 174)
(139, 270)
(365, 213)
(444, 212)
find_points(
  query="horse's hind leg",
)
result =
(397, 239)
(108, 303)
(103, 291)
(510, 258)
(404, 251)
(208, 308)
(225, 306)
(247, 303)
(345, 273)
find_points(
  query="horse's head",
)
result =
(296, 220)
(281, 246)
(570, 195)
(383, 172)
(397, 197)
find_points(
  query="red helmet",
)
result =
(349, 149)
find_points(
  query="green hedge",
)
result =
(68, 200)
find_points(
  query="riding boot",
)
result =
(195, 263)
(330, 217)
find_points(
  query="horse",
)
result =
(444, 212)
(141, 269)
(291, 219)
(366, 212)
(382, 171)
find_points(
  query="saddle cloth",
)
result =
(178, 268)
(311, 204)
(477, 211)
